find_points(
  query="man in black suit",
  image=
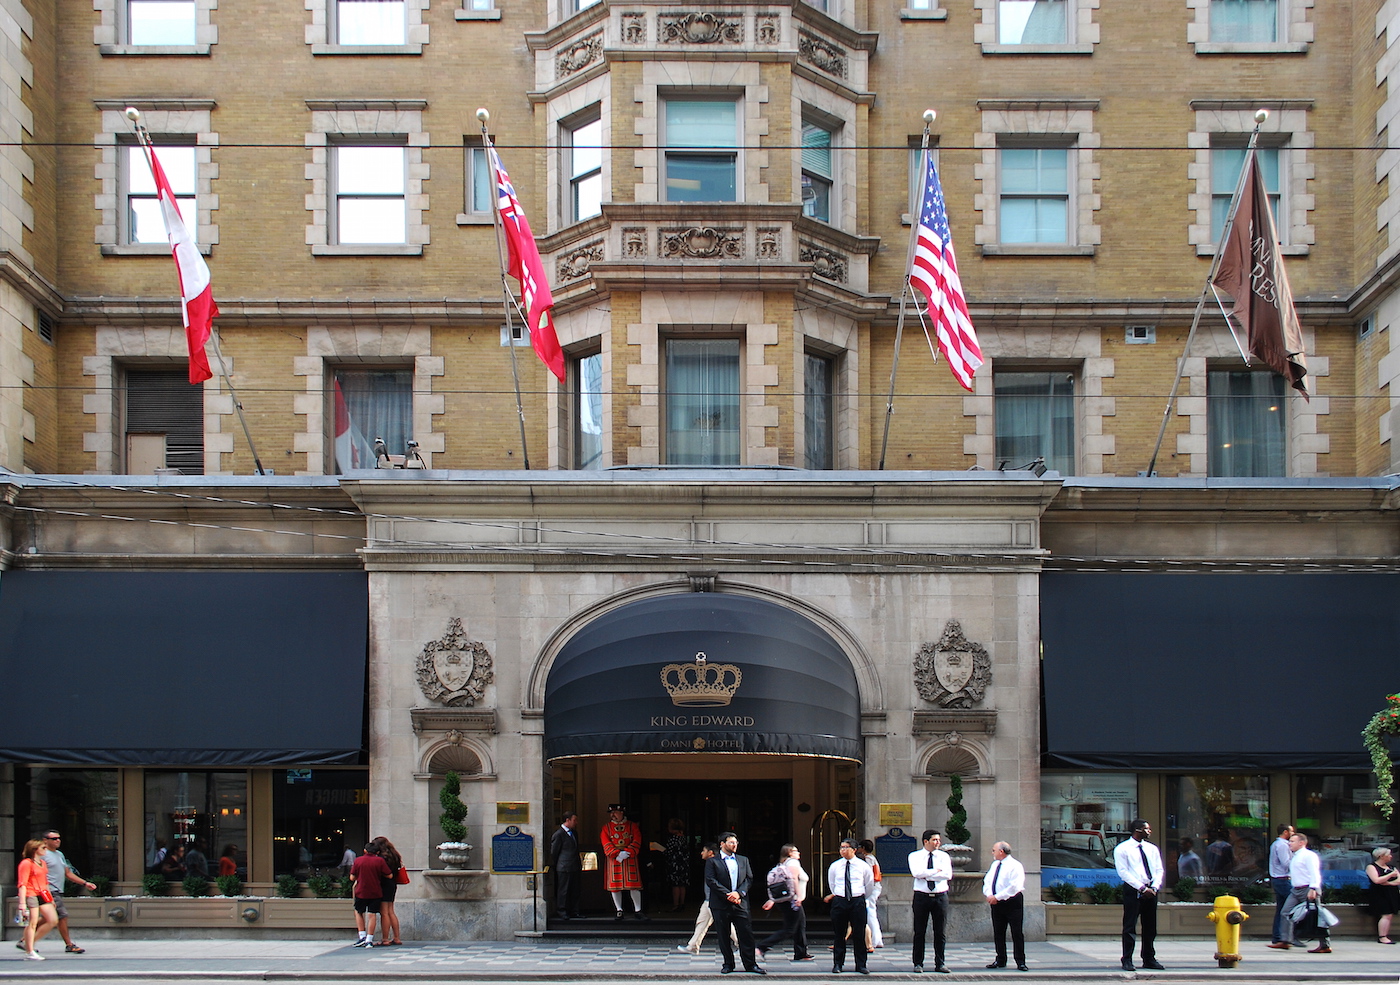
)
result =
(564, 860)
(727, 880)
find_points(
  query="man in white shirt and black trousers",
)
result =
(1005, 892)
(1139, 865)
(1305, 875)
(850, 880)
(932, 870)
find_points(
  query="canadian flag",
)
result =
(197, 305)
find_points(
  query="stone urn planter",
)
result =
(959, 855)
(454, 854)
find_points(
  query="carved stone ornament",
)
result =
(702, 28)
(702, 243)
(766, 27)
(578, 55)
(454, 670)
(823, 54)
(825, 263)
(575, 263)
(770, 244)
(953, 672)
(634, 243)
(634, 28)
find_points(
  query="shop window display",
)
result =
(82, 806)
(316, 815)
(184, 807)
(1343, 824)
(1083, 817)
(1217, 829)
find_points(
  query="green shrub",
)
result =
(1255, 895)
(1064, 892)
(288, 886)
(1344, 894)
(1102, 892)
(153, 884)
(1185, 889)
(322, 887)
(229, 886)
(347, 888)
(453, 810)
(102, 883)
(957, 815)
(196, 885)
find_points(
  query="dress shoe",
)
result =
(1281, 945)
(1128, 965)
(1154, 964)
(726, 971)
(618, 918)
(1320, 949)
(862, 971)
(997, 964)
(942, 969)
(1021, 967)
(756, 970)
(836, 969)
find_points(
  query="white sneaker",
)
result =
(33, 956)
(362, 942)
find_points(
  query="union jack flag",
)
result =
(934, 273)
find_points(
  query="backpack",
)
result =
(778, 888)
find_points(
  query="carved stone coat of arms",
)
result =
(454, 669)
(953, 672)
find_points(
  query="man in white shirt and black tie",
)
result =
(1139, 865)
(932, 870)
(850, 880)
(1004, 889)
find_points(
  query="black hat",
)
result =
(616, 807)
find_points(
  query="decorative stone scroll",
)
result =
(702, 243)
(576, 263)
(766, 28)
(828, 57)
(578, 55)
(634, 243)
(954, 672)
(634, 28)
(702, 28)
(825, 263)
(454, 670)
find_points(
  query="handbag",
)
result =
(401, 877)
(589, 861)
(778, 889)
(1305, 917)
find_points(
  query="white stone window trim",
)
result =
(110, 33)
(1215, 348)
(319, 31)
(1287, 129)
(836, 337)
(581, 332)
(145, 347)
(1081, 29)
(466, 12)
(332, 347)
(698, 79)
(470, 144)
(396, 119)
(1388, 376)
(563, 111)
(1033, 346)
(1020, 123)
(163, 118)
(818, 104)
(932, 12)
(1296, 31)
(16, 165)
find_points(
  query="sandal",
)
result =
(1384, 940)
(74, 949)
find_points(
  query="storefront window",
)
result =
(1339, 816)
(81, 805)
(1083, 816)
(188, 808)
(1217, 828)
(316, 815)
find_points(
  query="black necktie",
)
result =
(929, 880)
(996, 874)
(1146, 869)
(848, 878)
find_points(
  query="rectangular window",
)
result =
(1035, 419)
(1032, 22)
(371, 22)
(189, 810)
(1217, 829)
(480, 193)
(1244, 422)
(916, 175)
(370, 405)
(583, 145)
(1225, 166)
(819, 411)
(702, 402)
(1244, 21)
(702, 150)
(163, 422)
(160, 22)
(370, 202)
(316, 814)
(1083, 817)
(817, 174)
(1339, 815)
(588, 413)
(1035, 194)
(81, 805)
(144, 222)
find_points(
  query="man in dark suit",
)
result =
(564, 860)
(727, 881)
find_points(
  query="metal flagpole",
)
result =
(144, 138)
(484, 117)
(929, 117)
(1259, 118)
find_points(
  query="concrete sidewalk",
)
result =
(1066, 959)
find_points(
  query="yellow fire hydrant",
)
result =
(1227, 917)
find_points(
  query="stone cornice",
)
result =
(150, 103)
(36, 289)
(1135, 500)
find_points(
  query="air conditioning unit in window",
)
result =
(1140, 334)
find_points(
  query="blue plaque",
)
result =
(892, 851)
(512, 851)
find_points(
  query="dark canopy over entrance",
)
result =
(1234, 672)
(769, 681)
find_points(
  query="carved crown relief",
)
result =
(454, 670)
(953, 672)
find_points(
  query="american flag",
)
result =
(934, 273)
(526, 266)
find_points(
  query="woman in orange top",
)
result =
(35, 899)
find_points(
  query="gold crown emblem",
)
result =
(701, 684)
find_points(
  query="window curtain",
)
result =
(818, 412)
(1034, 419)
(1225, 166)
(589, 435)
(1244, 420)
(702, 402)
(377, 403)
(1244, 21)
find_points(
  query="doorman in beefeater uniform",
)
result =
(622, 844)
